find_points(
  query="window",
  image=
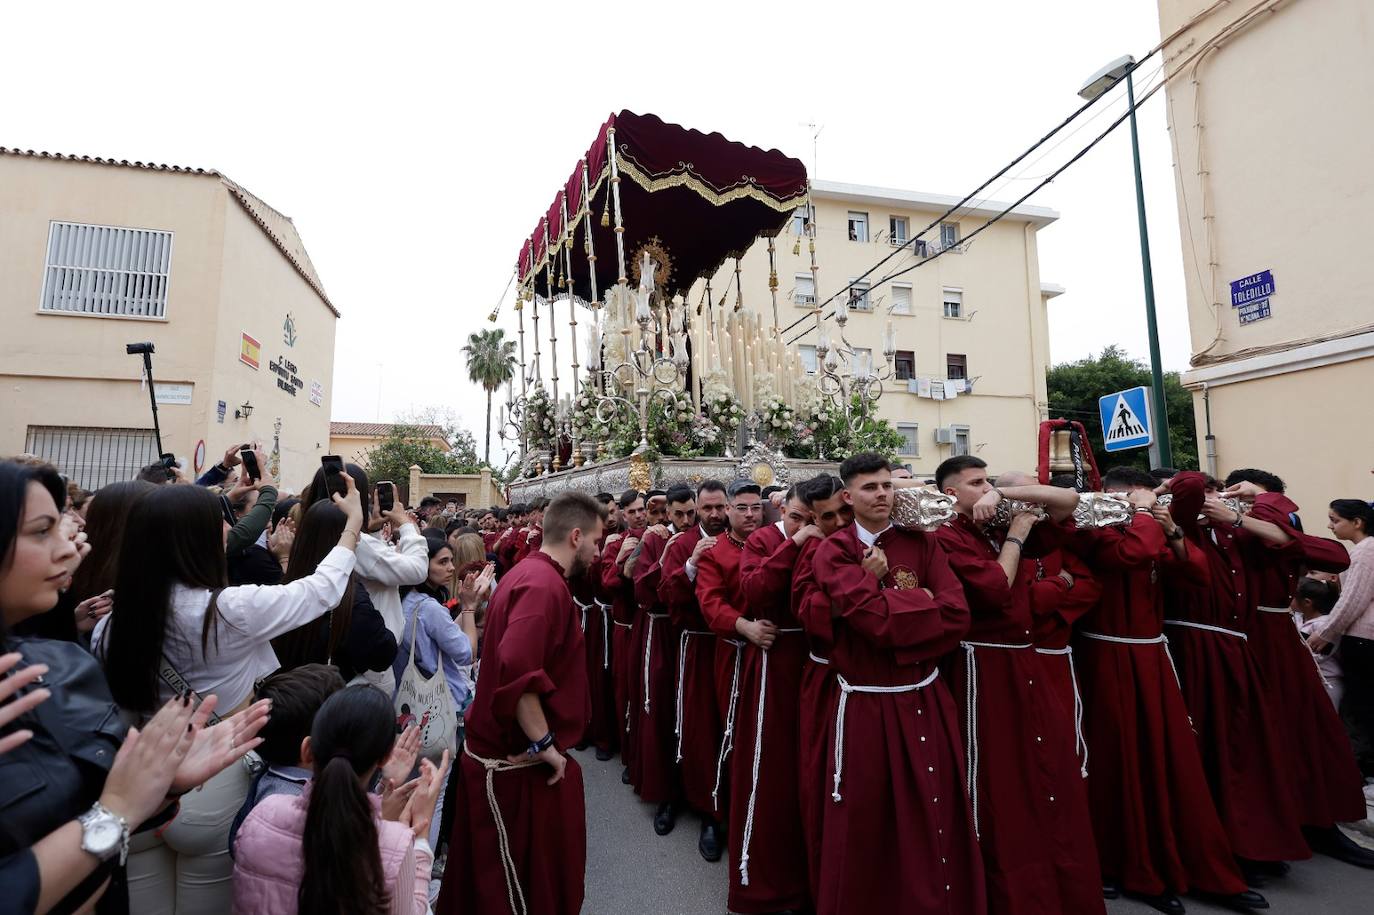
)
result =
(901, 299)
(961, 441)
(896, 228)
(858, 296)
(858, 226)
(954, 303)
(863, 361)
(804, 290)
(104, 270)
(949, 234)
(93, 456)
(801, 220)
(956, 366)
(910, 442)
(904, 364)
(807, 352)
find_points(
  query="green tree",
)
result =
(1074, 388)
(491, 363)
(408, 444)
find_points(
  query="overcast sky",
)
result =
(415, 145)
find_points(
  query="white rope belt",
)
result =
(845, 689)
(623, 625)
(816, 659)
(727, 739)
(758, 758)
(1160, 639)
(1321, 674)
(1192, 625)
(605, 609)
(971, 719)
(583, 608)
(1080, 746)
(681, 679)
(649, 652)
(514, 894)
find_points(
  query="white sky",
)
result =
(415, 145)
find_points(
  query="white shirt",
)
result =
(384, 570)
(240, 649)
(865, 536)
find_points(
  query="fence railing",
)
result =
(93, 456)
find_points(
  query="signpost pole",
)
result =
(1161, 454)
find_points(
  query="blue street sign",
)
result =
(1249, 288)
(1126, 419)
(1254, 311)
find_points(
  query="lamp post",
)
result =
(1161, 454)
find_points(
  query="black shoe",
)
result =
(625, 775)
(1336, 844)
(1247, 901)
(710, 844)
(582, 745)
(1167, 903)
(1110, 890)
(1262, 869)
(665, 818)
(603, 755)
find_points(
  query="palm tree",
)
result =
(491, 363)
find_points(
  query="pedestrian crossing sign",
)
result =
(1126, 421)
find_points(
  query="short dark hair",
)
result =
(569, 511)
(282, 510)
(743, 486)
(428, 501)
(156, 473)
(502, 514)
(711, 485)
(1123, 478)
(680, 494)
(538, 504)
(1320, 593)
(628, 498)
(655, 492)
(1064, 481)
(296, 695)
(957, 464)
(772, 488)
(1269, 481)
(604, 498)
(861, 463)
(819, 488)
(895, 466)
(1163, 473)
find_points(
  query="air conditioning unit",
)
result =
(944, 435)
(896, 242)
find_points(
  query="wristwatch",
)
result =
(1176, 535)
(104, 833)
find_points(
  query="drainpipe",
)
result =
(1209, 439)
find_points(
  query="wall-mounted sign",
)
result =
(199, 458)
(287, 377)
(220, 409)
(250, 352)
(169, 393)
(316, 393)
(288, 330)
(1250, 288)
(1254, 311)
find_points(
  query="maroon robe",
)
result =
(618, 591)
(654, 771)
(1029, 801)
(721, 605)
(1327, 784)
(898, 835)
(1055, 608)
(604, 729)
(1156, 826)
(764, 770)
(532, 644)
(817, 695)
(508, 545)
(1246, 765)
(698, 722)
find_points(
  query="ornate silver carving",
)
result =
(1099, 509)
(923, 509)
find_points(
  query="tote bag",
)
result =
(426, 702)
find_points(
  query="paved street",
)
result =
(631, 871)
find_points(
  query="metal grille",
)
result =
(93, 456)
(105, 270)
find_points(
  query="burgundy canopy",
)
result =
(703, 198)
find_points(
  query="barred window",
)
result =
(106, 270)
(93, 456)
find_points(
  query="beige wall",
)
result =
(1271, 154)
(354, 448)
(1006, 341)
(477, 490)
(226, 276)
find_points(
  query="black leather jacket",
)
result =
(55, 777)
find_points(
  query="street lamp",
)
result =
(1161, 454)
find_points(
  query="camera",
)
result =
(134, 349)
